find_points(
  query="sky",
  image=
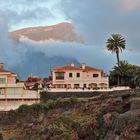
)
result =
(95, 20)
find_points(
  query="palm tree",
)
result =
(123, 74)
(116, 43)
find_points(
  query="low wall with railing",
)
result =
(14, 100)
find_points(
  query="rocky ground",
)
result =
(104, 117)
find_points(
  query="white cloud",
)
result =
(129, 5)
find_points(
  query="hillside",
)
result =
(64, 32)
(103, 117)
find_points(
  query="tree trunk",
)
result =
(118, 61)
(118, 80)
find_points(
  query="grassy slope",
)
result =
(71, 119)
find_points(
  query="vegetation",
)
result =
(48, 105)
(45, 96)
(130, 75)
(115, 44)
(1, 137)
(60, 119)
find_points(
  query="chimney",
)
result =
(83, 66)
(72, 64)
(1, 66)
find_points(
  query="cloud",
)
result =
(25, 13)
(97, 20)
(8, 52)
(92, 55)
(129, 5)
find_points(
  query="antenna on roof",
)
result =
(50, 69)
(72, 64)
(2, 66)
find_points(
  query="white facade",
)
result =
(79, 77)
(13, 94)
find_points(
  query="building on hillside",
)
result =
(71, 76)
(33, 83)
(13, 94)
(8, 81)
(47, 81)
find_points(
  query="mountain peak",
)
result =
(64, 32)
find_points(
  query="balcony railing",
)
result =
(8, 85)
(59, 77)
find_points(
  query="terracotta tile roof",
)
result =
(64, 68)
(87, 68)
(5, 71)
(32, 83)
(2, 70)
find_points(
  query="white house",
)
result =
(13, 94)
(71, 76)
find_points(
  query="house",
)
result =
(7, 80)
(7, 77)
(12, 93)
(33, 83)
(71, 76)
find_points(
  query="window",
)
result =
(60, 86)
(85, 85)
(95, 75)
(59, 75)
(78, 74)
(2, 80)
(76, 85)
(70, 74)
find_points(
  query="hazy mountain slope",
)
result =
(61, 32)
(38, 64)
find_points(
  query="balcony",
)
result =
(8, 85)
(59, 77)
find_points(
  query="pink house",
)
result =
(71, 76)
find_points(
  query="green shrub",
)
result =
(56, 129)
(1, 137)
(44, 96)
(11, 139)
(51, 103)
(24, 108)
(43, 106)
(65, 119)
(75, 125)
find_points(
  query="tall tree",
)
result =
(130, 75)
(123, 74)
(116, 44)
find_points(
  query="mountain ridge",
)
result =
(64, 32)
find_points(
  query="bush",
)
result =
(65, 119)
(51, 103)
(11, 139)
(56, 129)
(1, 137)
(75, 125)
(44, 96)
(24, 108)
